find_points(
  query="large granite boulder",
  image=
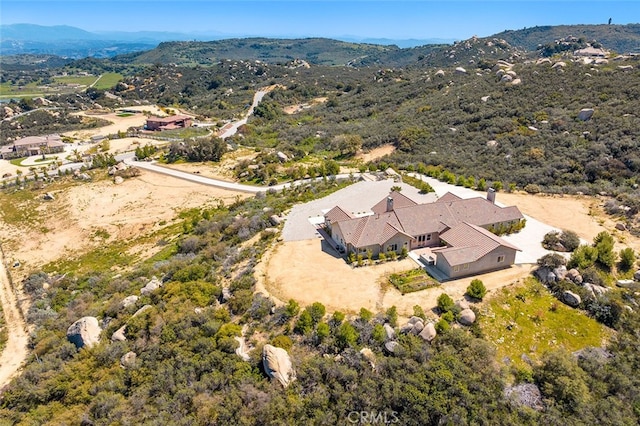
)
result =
(428, 333)
(414, 326)
(277, 364)
(85, 332)
(151, 286)
(574, 275)
(129, 301)
(369, 356)
(571, 299)
(390, 332)
(141, 310)
(391, 346)
(128, 360)
(467, 317)
(560, 272)
(585, 114)
(119, 334)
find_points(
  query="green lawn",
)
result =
(76, 79)
(108, 80)
(528, 320)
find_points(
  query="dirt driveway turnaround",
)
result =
(307, 271)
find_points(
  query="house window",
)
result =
(392, 247)
(423, 238)
(500, 259)
(456, 268)
(465, 266)
(428, 237)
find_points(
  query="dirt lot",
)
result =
(301, 270)
(133, 208)
(376, 153)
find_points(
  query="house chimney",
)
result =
(491, 195)
(389, 204)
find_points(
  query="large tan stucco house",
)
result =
(32, 145)
(456, 231)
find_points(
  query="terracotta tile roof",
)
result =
(468, 243)
(450, 212)
(337, 214)
(448, 197)
(399, 201)
(481, 212)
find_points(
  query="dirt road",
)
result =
(15, 352)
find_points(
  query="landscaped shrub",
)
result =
(477, 289)
(445, 303)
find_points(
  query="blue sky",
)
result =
(420, 19)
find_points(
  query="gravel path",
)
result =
(15, 352)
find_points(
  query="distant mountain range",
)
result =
(72, 42)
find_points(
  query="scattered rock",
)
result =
(391, 333)
(492, 143)
(485, 98)
(559, 65)
(48, 197)
(119, 334)
(128, 360)
(506, 78)
(129, 301)
(84, 332)
(151, 286)
(636, 276)
(467, 317)
(277, 364)
(595, 290)
(439, 73)
(625, 67)
(571, 299)
(463, 304)
(428, 333)
(543, 61)
(282, 156)
(585, 114)
(118, 180)
(621, 226)
(226, 294)
(460, 70)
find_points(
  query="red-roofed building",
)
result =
(457, 230)
(168, 123)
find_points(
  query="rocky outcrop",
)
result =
(277, 364)
(525, 394)
(571, 299)
(467, 317)
(84, 333)
(151, 286)
(428, 333)
(129, 301)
